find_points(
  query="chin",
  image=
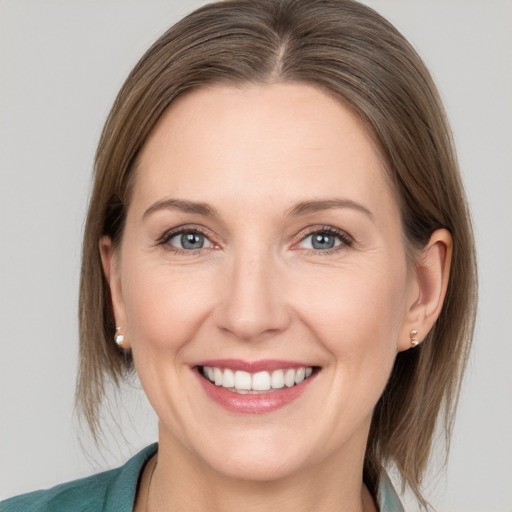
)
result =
(254, 455)
(258, 468)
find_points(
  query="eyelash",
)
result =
(169, 235)
(345, 240)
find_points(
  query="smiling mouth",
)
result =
(243, 382)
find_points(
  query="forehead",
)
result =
(262, 144)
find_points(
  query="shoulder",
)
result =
(110, 490)
(84, 494)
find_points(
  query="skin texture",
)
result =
(259, 290)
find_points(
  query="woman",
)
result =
(278, 243)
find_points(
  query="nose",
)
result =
(253, 304)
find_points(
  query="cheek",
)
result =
(356, 312)
(165, 306)
(356, 317)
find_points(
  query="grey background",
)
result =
(62, 62)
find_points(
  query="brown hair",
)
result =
(351, 52)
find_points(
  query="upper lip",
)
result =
(253, 366)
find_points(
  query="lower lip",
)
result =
(253, 403)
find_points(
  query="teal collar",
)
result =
(387, 496)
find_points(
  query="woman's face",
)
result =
(263, 247)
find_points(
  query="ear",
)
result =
(111, 269)
(429, 283)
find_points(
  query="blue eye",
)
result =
(324, 240)
(189, 241)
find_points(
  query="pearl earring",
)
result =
(412, 335)
(119, 338)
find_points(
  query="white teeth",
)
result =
(244, 382)
(299, 376)
(261, 381)
(277, 379)
(229, 378)
(289, 378)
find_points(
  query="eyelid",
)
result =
(205, 239)
(185, 228)
(346, 239)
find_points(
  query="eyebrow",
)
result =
(181, 205)
(302, 208)
(307, 207)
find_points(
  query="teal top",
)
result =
(114, 491)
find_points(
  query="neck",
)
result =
(183, 483)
